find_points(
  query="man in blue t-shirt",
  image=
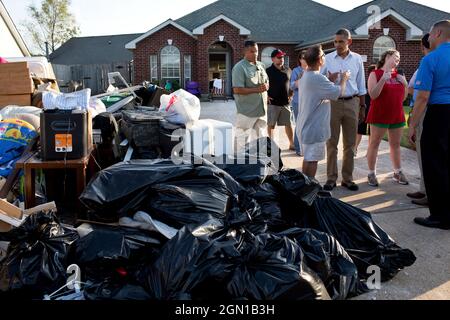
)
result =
(433, 86)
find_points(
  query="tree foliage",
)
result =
(52, 22)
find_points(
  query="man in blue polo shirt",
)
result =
(433, 85)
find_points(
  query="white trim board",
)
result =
(132, 44)
(412, 31)
(242, 30)
(14, 32)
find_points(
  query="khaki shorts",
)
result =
(247, 129)
(280, 115)
(314, 152)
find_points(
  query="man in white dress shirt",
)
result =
(347, 111)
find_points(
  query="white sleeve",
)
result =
(413, 80)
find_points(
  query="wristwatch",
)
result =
(362, 105)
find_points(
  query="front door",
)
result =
(220, 65)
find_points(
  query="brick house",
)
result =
(209, 41)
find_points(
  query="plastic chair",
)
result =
(194, 88)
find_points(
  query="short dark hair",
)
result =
(344, 32)
(425, 41)
(301, 55)
(442, 23)
(312, 55)
(249, 43)
(445, 25)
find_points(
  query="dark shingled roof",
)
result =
(294, 21)
(268, 20)
(420, 15)
(94, 50)
(304, 20)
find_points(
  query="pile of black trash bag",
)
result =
(241, 229)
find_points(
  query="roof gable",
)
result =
(132, 44)
(412, 31)
(417, 16)
(242, 30)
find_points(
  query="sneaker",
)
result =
(372, 180)
(400, 178)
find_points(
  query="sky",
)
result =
(107, 17)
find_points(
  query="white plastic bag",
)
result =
(181, 107)
(66, 101)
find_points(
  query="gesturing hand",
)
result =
(333, 76)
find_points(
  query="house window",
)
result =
(381, 45)
(170, 65)
(265, 56)
(286, 61)
(187, 69)
(153, 68)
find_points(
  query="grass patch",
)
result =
(404, 142)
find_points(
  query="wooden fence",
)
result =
(93, 76)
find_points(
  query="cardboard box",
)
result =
(15, 79)
(11, 216)
(16, 100)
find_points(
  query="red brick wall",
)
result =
(153, 44)
(198, 49)
(210, 36)
(410, 52)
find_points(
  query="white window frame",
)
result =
(378, 50)
(286, 61)
(187, 61)
(153, 68)
(265, 56)
(170, 69)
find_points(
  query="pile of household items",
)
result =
(173, 212)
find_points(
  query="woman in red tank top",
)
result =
(388, 90)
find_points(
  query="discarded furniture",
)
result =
(217, 89)
(33, 163)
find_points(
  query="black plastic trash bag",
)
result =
(37, 256)
(127, 187)
(196, 257)
(107, 290)
(213, 261)
(329, 260)
(192, 199)
(365, 242)
(295, 188)
(253, 168)
(274, 268)
(116, 252)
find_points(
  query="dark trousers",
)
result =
(435, 145)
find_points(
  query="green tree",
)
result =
(52, 22)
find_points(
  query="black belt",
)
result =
(348, 98)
